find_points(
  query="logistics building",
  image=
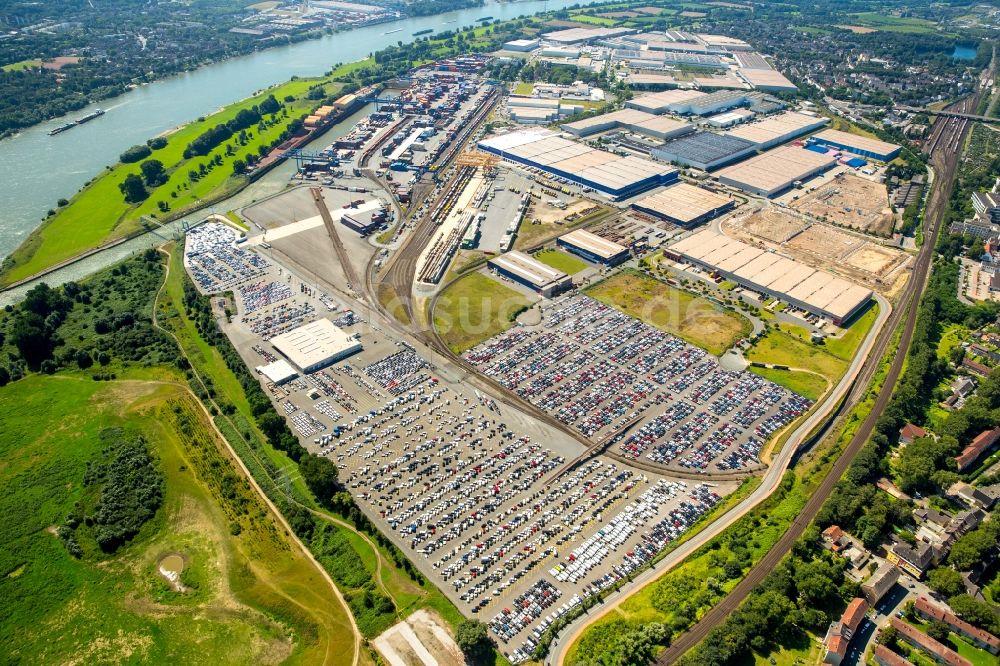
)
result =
(773, 172)
(685, 205)
(315, 345)
(778, 129)
(856, 145)
(636, 121)
(767, 79)
(611, 175)
(532, 273)
(705, 150)
(716, 102)
(593, 248)
(768, 273)
(729, 118)
(522, 45)
(661, 102)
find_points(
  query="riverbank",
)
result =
(37, 169)
(99, 215)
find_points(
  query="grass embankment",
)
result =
(790, 345)
(820, 365)
(692, 318)
(474, 308)
(356, 561)
(99, 213)
(250, 598)
(805, 384)
(561, 261)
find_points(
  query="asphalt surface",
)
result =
(945, 160)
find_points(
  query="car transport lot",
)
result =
(599, 370)
(474, 492)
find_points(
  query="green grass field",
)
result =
(911, 25)
(602, 21)
(561, 261)
(22, 65)
(251, 598)
(475, 308)
(685, 315)
(524, 88)
(790, 346)
(98, 213)
(805, 384)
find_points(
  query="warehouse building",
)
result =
(584, 35)
(521, 45)
(363, 219)
(705, 150)
(633, 120)
(778, 129)
(539, 110)
(593, 248)
(773, 172)
(716, 102)
(773, 275)
(729, 118)
(660, 102)
(663, 60)
(612, 175)
(769, 80)
(530, 272)
(315, 345)
(862, 146)
(646, 81)
(685, 205)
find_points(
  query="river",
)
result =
(37, 169)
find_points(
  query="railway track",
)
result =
(331, 228)
(945, 160)
(402, 267)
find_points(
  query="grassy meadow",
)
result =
(250, 596)
(689, 317)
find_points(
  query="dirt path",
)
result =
(253, 482)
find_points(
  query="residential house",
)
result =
(980, 637)
(879, 582)
(838, 636)
(910, 432)
(929, 646)
(842, 543)
(963, 386)
(972, 497)
(886, 657)
(914, 560)
(975, 367)
(983, 442)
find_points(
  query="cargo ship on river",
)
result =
(96, 113)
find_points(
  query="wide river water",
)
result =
(37, 169)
